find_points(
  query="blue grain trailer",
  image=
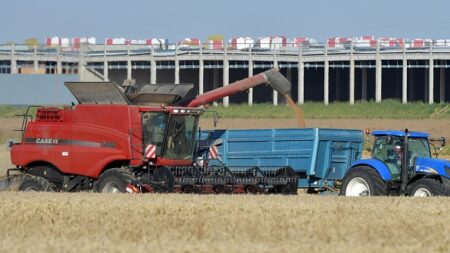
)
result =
(318, 156)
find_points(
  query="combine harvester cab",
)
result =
(390, 172)
(135, 139)
(318, 157)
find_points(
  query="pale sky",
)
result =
(177, 19)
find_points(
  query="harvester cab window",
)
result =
(153, 128)
(181, 135)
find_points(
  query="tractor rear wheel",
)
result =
(425, 187)
(36, 184)
(114, 180)
(363, 181)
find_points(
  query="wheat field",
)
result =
(88, 222)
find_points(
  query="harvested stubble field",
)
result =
(87, 222)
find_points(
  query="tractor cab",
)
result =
(389, 147)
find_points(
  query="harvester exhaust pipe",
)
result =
(271, 77)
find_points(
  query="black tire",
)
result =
(164, 180)
(114, 180)
(38, 184)
(365, 175)
(426, 187)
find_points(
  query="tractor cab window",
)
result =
(389, 150)
(181, 133)
(153, 128)
(418, 147)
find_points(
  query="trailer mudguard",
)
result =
(379, 166)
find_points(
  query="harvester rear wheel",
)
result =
(164, 180)
(36, 184)
(114, 180)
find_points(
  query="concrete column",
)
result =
(58, 61)
(226, 79)
(352, 77)
(326, 83)
(105, 65)
(431, 80)
(177, 66)
(226, 74)
(152, 67)
(201, 72)
(35, 60)
(404, 80)
(442, 83)
(364, 84)
(13, 59)
(275, 65)
(81, 64)
(378, 73)
(250, 73)
(177, 71)
(301, 76)
(129, 70)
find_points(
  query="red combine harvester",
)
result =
(135, 139)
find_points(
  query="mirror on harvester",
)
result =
(442, 141)
(9, 145)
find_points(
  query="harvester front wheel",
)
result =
(363, 181)
(36, 184)
(114, 180)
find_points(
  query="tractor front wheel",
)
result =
(425, 187)
(363, 181)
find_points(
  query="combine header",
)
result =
(135, 139)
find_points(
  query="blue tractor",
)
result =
(401, 164)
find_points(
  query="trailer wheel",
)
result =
(164, 180)
(114, 180)
(363, 181)
(36, 184)
(425, 187)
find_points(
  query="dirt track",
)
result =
(84, 222)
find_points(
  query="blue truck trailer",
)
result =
(320, 157)
(330, 159)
